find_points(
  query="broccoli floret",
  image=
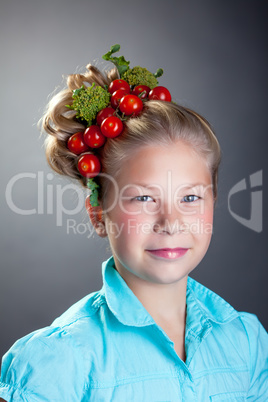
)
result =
(89, 101)
(140, 76)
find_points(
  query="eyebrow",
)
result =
(144, 185)
(188, 186)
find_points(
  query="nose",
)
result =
(169, 222)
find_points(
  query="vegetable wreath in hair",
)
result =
(103, 110)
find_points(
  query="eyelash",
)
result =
(189, 196)
(138, 198)
(141, 198)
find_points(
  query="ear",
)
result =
(96, 216)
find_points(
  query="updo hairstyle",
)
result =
(160, 123)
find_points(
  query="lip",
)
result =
(169, 253)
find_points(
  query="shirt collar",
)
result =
(211, 306)
(121, 300)
(203, 305)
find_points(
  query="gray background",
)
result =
(215, 61)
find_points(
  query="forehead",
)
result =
(153, 164)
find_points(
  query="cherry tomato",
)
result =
(131, 104)
(117, 96)
(160, 93)
(103, 114)
(140, 89)
(89, 165)
(76, 143)
(119, 84)
(112, 127)
(93, 137)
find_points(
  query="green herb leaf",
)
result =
(94, 198)
(120, 63)
(91, 184)
(94, 195)
(115, 48)
(159, 72)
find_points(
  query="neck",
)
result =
(166, 303)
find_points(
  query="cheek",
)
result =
(200, 223)
(136, 226)
(208, 214)
(207, 225)
(128, 227)
(204, 213)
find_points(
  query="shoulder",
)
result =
(49, 354)
(257, 337)
(239, 334)
(240, 325)
(251, 323)
(54, 353)
(85, 308)
(249, 334)
(61, 333)
(257, 348)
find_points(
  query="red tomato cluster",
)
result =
(88, 164)
(108, 124)
(123, 100)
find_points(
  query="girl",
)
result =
(151, 333)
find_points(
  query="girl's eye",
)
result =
(190, 198)
(143, 198)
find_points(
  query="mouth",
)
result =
(168, 253)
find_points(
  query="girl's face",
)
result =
(159, 218)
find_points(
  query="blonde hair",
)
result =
(159, 123)
(60, 122)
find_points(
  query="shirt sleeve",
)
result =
(258, 349)
(43, 366)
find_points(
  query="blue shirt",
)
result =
(107, 347)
